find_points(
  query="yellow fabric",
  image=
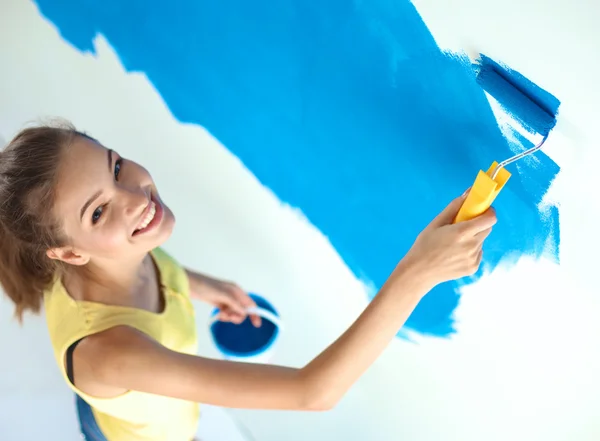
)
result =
(133, 416)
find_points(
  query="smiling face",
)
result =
(108, 206)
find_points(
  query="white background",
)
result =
(524, 364)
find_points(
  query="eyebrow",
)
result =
(98, 193)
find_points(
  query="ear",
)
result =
(68, 255)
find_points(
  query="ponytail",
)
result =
(25, 272)
(28, 171)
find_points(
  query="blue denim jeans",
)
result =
(87, 422)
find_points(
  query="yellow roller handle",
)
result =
(482, 193)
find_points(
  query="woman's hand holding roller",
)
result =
(445, 251)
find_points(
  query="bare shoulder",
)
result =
(100, 357)
(114, 340)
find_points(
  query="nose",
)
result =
(135, 201)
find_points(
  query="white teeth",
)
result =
(148, 217)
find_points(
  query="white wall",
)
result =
(503, 376)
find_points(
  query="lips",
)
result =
(150, 218)
(150, 212)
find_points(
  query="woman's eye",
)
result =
(98, 212)
(96, 215)
(118, 163)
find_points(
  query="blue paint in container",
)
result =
(244, 341)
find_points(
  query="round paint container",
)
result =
(244, 342)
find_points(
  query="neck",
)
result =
(107, 278)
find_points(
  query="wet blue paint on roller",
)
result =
(529, 104)
(345, 109)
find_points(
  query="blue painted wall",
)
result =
(345, 109)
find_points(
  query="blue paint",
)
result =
(534, 180)
(244, 339)
(529, 104)
(345, 109)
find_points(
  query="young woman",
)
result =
(80, 232)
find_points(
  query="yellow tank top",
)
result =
(132, 416)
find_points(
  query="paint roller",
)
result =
(523, 106)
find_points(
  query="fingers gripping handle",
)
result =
(482, 193)
(261, 312)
